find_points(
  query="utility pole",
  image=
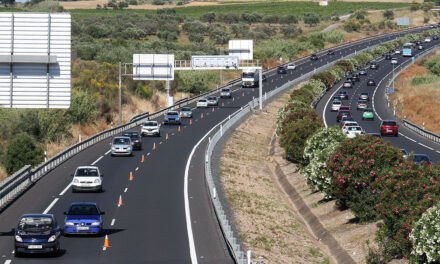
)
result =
(260, 84)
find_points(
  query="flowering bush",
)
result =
(354, 166)
(404, 193)
(297, 126)
(318, 148)
(425, 236)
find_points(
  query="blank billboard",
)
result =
(153, 66)
(244, 49)
(35, 60)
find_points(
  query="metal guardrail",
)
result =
(421, 131)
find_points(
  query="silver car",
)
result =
(172, 117)
(121, 146)
(186, 112)
(225, 93)
(212, 101)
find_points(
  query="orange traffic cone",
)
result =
(223, 104)
(120, 201)
(213, 109)
(130, 178)
(142, 158)
(178, 129)
(154, 145)
(190, 121)
(106, 243)
(166, 136)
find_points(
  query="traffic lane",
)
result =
(152, 229)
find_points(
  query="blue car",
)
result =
(37, 233)
(83, 218)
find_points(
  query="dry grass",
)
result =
(265, 222)
(3, 173)
(419, 104)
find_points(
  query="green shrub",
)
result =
(354, 167)
(82, 108)
(297, 127)
(425, 236)
(388, 14)
(21, 151)
(144, 92)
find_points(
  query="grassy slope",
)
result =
(277, 8)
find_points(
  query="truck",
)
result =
(250, 78)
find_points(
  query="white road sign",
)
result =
(153, 66)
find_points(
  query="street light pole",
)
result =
(394, 77)
(120, 93)
(260, 88)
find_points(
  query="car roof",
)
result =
(174, 112)
(87, 167)
(38, 215)
(122, 137)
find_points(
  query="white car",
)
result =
(202, 103)
(87, 178)
(291, 67)
(348, 124)
(397, 51)
(354, 131)
(347, 84)
(150, 128)
(394, 61)
(336, 104)
(427, 40)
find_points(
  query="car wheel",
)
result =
(73, 190)
(17, 254)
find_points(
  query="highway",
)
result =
(165, 216)
(407, 139)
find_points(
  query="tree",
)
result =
(208, 17)
(388, 14)
(290, 19)
(21, 151)
(196, 37)
(270, 19)
(311, 19)
(290, 31)
(82, 108)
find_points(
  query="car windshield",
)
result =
(364, 94)
(362, 102)
(212, 98)
(150, 124)
(121, 141)
(336, 102)
(134, 136)
(388, 123)
(368, 111)
(344, 112)
(420, 158)
(185, 109)
(281, 68)
(35, 224)
(202, 101)
(86, 172)
(83, 209)
(247, 75)
(172, 113)
(343, 93)
(226, 90)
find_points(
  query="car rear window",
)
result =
(86, 172)
(150, 124)
(389, 123)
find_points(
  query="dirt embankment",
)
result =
(268, 223)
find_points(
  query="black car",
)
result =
(330, 52)
(435, 37)
(282, 70)
(37, 233)
(421, 159)
(362, 72)
(374, 66)
(418, 42)
(343, 95)
(355, 77)
(371, 82)
(388, 57)
(314, 56)
(135, 139)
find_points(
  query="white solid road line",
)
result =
(51, 205)
(125, 190)
(192, 248)
(437, 151)
(96, 161)
(65, 189)
(137, 168)
(402, 134)
(113, 222)
(425, 146)
(8, 261)
(108, 152)
(325, 107)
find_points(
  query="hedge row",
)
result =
(365, 174)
